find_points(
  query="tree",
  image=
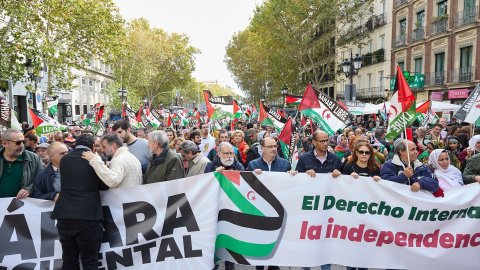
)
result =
(295, 42)
(62, 34)
(154, 62)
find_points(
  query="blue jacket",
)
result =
(308, 161)
(392, 170)
(213, 165)
(278, 165)
(43, 184)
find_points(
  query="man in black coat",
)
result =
(79, 209)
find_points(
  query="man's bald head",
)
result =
(320, 135)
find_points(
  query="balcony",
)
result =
(373, 58)
(380, 20)
(417, 34)
(377, 92)
(465, 17)
(461, 75)
(439, 26)
(435, 78)
(400, 2)
(399, 41)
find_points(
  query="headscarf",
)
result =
(439, 144)
(452, 138)
(473, 141)
(339, 142)
(451, 175)
(260, 136)
(333, 139)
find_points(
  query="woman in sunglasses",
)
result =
(362, 162)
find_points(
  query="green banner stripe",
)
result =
(267, 121)
(244, 248)
(315, 116)
(285, 149)
(237, 198)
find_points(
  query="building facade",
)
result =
(372, 79)
(438, 39)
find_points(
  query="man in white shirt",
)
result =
(124, 169)
(208, 142)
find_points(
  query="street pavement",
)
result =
(248, 267)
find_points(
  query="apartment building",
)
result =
(372, 79)
(437, 39)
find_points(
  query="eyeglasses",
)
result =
(17, 142)
(76, 130)
(270, 146)
(227, 153)
(364, 152)
(321, 141)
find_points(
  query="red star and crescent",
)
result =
(253, 197)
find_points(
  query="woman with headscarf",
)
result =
(439, 144)
(448, 176)
(452, 144)
(342, 146)
(472, 149)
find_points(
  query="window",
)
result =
(102, 87)
(359, 82)
(466, 57)
(85, 109)
(90, 86)
(343, 56)
(420, 19)
(380, 76)
(382, 41)
(369, 81)
(370, 46)
(84, 85)
(442, 8)
(77, 109)
(440, 62)
(469, 6)
(418, 65)
(401, 64)
(383, 8)
(403, 27)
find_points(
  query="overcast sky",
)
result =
(209, 23)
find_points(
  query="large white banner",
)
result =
(267, 219)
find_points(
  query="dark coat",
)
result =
(278, 165)
(164, 167)
(43, 184)
(392, 170)
(308, 161)
(213, 165)
(80, 196)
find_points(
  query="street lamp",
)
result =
(350, 68)
(284, 91)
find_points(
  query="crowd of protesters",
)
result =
(71, 167)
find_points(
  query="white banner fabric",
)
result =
(267, 219)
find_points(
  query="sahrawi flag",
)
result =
(52, 103)
(287, 140)
(250, 223)
(423, 111)
(470, 110)
(293, 99)
(42, 123)
(271, 118)
(402, 108)
(324, 110)
(218, 107)
(131, 114)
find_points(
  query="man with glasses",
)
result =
(319, 160)
(224, 160)
(208, 142)
(18, 167)
(77, 131)
(224, 136)
(269, 160)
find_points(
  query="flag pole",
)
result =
(406, 139)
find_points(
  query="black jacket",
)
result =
(43, 184)
(80, 196)
(213, 165)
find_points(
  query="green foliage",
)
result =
(439, 18)
(292, 43)
(62, 34)
(154, 62)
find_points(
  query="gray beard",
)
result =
(226, 163)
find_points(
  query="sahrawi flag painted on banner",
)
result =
(271, 118)
(42, 123)
(470, 110)
(287, 140)
(293, 99)
(402, 108)
(250, 226)
(324, 110)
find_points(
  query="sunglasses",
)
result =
(364, 152)
(17, 142)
